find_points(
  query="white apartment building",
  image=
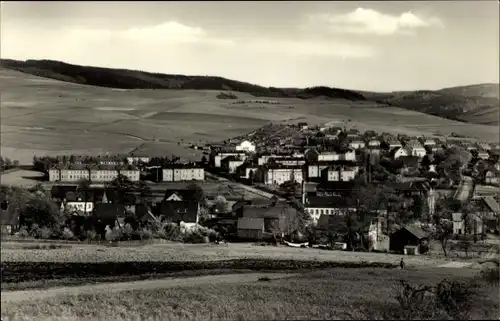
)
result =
(183, 174)
(220, 156)
(136, 159)
(78, 173)
(246, 146)
(357, 144)
(341, 173)
(279, 175)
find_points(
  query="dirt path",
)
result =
(17, 296)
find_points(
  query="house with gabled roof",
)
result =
(180, 211)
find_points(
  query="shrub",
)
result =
(23, 232)
(67, 234)
(490, 275)
(145, 234)
(127, 232)
(90, 235)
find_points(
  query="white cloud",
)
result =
(369, 21)
(168, 32)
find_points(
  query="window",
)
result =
(322, 212)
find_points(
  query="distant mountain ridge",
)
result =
(474, 104)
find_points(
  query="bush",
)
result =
(67, 234)
(91, 235)
(490, 275)
(145, 234)
(449, 299)
(23, 232)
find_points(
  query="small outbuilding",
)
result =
(250, 228)
(409, 237)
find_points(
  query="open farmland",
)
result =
(42, 116)
(329, 294)
(198, 252)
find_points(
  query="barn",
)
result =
(408, 236)
(250, 228)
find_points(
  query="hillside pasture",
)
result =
(51, 117)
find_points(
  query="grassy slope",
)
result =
(474, 104)
(46, 116)
(333, 294)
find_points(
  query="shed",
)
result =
(250, 228)
(408, 236)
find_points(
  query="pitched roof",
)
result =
(326, 202)
(177, 211)
(346, 186)
(245, 223)
(492, 204)
(415, 230)
(109, 210)
(276, 211)
(327, 222)
(184, 194)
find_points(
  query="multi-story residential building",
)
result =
(138, 159)
(217, 157)
(338, 173)
(357, 144)
(291, 161)
(246, 146)
(325, 205)
(264, 158)
(231, 163)
(350, 155)
(183, 172)
(100, 173)
(277, 175)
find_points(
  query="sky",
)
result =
(376, 46)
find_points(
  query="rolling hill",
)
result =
(45, 116)
(478, 104)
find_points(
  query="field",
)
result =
(178, 252)
(328, 294)
(42, 116)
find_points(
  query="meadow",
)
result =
(43, 116)
(330, 294)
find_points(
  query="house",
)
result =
(303, 125)
(246, 146)
(278, 174)
(483, 153)
(415, 149)
(357, 144)
(392, 143)
(373, 143)
(409, 163)
(409, 236)
(373, 150)
(183, 172)
(492, 177)
(82, 202)
(484, 146)
(335, 188)
(340, 173)
(398, 152)
(326, 205)
(180, 211)
(231, 164)
(489, 211)
(353, 133)
(429, 142)
(275, 216)
(250, 228)
(173, 195)
(109, 214)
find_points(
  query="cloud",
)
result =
(170, 32)
(369, 21)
